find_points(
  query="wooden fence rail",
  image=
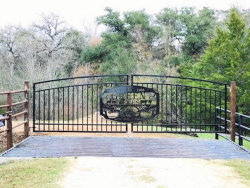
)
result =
(9, 113)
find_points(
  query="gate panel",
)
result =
(186, 105)
(72, 105)
(183, 104)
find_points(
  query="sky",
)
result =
(81, 13)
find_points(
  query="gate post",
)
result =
(26, 115)
(233, 109)
(9, 121)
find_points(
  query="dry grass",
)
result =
(241, 167)
(32, 173)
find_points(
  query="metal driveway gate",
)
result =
(109, 103)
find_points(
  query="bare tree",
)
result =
(10, 49)
(46, 50)
(49, 33)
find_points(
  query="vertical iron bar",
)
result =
(152, 123)
(92, 107)
(176, 103)
(116, 124)
(49, 109)
(39, 109)
(63, 107)
(186, 121)
(166, 105)
(77, 107)
(106, 122)
(73, 108)
(171, 100)
(205, 109)
(68, 108)
(137, 122)
(220, 112)
(216, 122)
(147, 120)
(116, 121)
(215, 103)
(82, 108)
(225, 111)
(58, 111)
(210, 110)
(34, 106)
(240, 122)
(191, 108)
(87, 86)
(200, 108)
(111, 120)
(195, 107)
(54, 103)
(181, 108)
(97, 102)
(100, 107)
(44, 119)
(161, 98)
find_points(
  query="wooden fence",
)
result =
(9, 114)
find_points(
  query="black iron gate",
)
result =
(109, 103)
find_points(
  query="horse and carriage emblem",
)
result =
(129, 103)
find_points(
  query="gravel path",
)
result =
(150, 172)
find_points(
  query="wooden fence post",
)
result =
(233, 109)
(9, 121)
(26, 115)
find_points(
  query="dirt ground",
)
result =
(150, 172)
(18, 135)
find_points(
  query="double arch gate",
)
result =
(136, 103)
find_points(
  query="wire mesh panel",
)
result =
(186, 105)
(73, 105)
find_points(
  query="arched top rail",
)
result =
(80, 77)
(183, 78)
(132, 76)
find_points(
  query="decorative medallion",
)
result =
(129, 103)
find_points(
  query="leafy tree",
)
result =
(190, 30)
(115, 53)
(73, 44)
(167, 50)
(140, 27)
(127, 43)
(119, 61)
(197, 30)
(227, 58)
(113, 21)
